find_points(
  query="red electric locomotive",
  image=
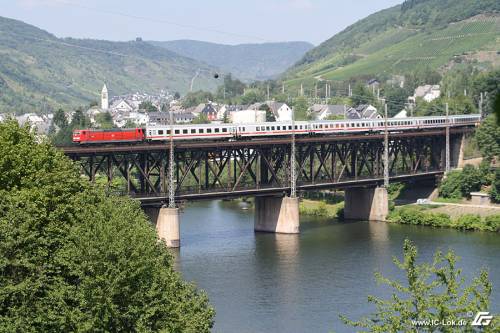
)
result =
(108, 136)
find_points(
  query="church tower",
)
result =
(104, 98)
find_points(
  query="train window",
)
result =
(149, 132)
(244, 129)
(209, 130)
(278, 128)
(267, 128)
(184, 131)
(216, 130)
(257, 128)
(289, 127)
(201, 130)
(224, 130)
(168, 132)
(193, 130)
(320, 126)
(272, 128)
(176, 131)
(160, 132)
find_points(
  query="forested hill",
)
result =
(248, 62)
(415, 34)
(40, 71)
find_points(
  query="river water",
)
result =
(262, 282)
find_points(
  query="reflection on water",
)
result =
(260, 282)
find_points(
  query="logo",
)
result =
(482, 319)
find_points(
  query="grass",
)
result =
(448, 200)
(319, 208)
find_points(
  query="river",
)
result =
(262, 282)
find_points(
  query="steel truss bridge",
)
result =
(224, 169)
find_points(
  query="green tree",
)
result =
(495, 187)
(148, 106)
(362, 95)
(300, 107)
(60, 119)
(396, 99)
(201, 119)
(104, 120)
(488, 138)
(73, 258)
(252, 96)
(430, 291)
(196, 98)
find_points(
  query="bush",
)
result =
(495, 187)
(468, 222)
(492, 222)
(450, 186)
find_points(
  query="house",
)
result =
(373, 83)
(427, 92)
(363, 111)
(281, 111)
(323, 111)
(163, 118)
(122, 106)
(209, 110)
(248, 116)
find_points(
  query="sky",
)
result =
(220, 21)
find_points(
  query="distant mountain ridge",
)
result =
(413, 35)
(248, 62)
(40, 71)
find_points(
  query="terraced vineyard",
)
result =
(398, 50)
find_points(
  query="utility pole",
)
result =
(301, 89)
(224, 92)
(481, 105)
(282, 88)
(293, 184)
(268, 91)
(171, 188)
(316, 90)
(386, 149)
(447, 157)
(350, 92)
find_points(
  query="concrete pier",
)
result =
(167, 226)
(277, 214)
(370, 204)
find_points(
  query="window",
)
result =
(278, 128)
(209, 130)
(193, 130)
(176, 131)
(185, 131)
(258, 128)
(289, 127)
(168, 132)
(224, 130)
(201, 131)
(217, 130)
(267, 128)
(160, 132)
(272, 128)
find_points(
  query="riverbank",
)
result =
(320, 208)
(418, 215)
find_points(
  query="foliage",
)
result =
(450, 187)
(75, 259)
(300, 107)
(252, 96)
(319, 208)
(230, 89)
(201, 119)
(489, 84)
(396, 99)
(104, 120)
(362, 95)
(458, 184)
(148, 106)
(416, 216)
(434, 290)
(196, 98)
(488, 138)
(495, 187)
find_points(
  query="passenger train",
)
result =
(267, 129)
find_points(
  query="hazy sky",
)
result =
(222, 21)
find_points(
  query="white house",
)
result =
(281, 111)
(427, 92)
(248, 116)
(323, 111)
(122, 106)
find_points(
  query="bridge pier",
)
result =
(277, 214)
(167, 224)
(370, 204)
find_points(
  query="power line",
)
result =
(157, 20)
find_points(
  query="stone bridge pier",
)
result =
(167, 223)
(276, 214)
(370, 204)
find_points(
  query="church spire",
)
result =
(104, 98)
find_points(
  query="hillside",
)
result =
(39, 70)
(407, 37)
(248, 62)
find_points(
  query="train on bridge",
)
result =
(266, 129)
